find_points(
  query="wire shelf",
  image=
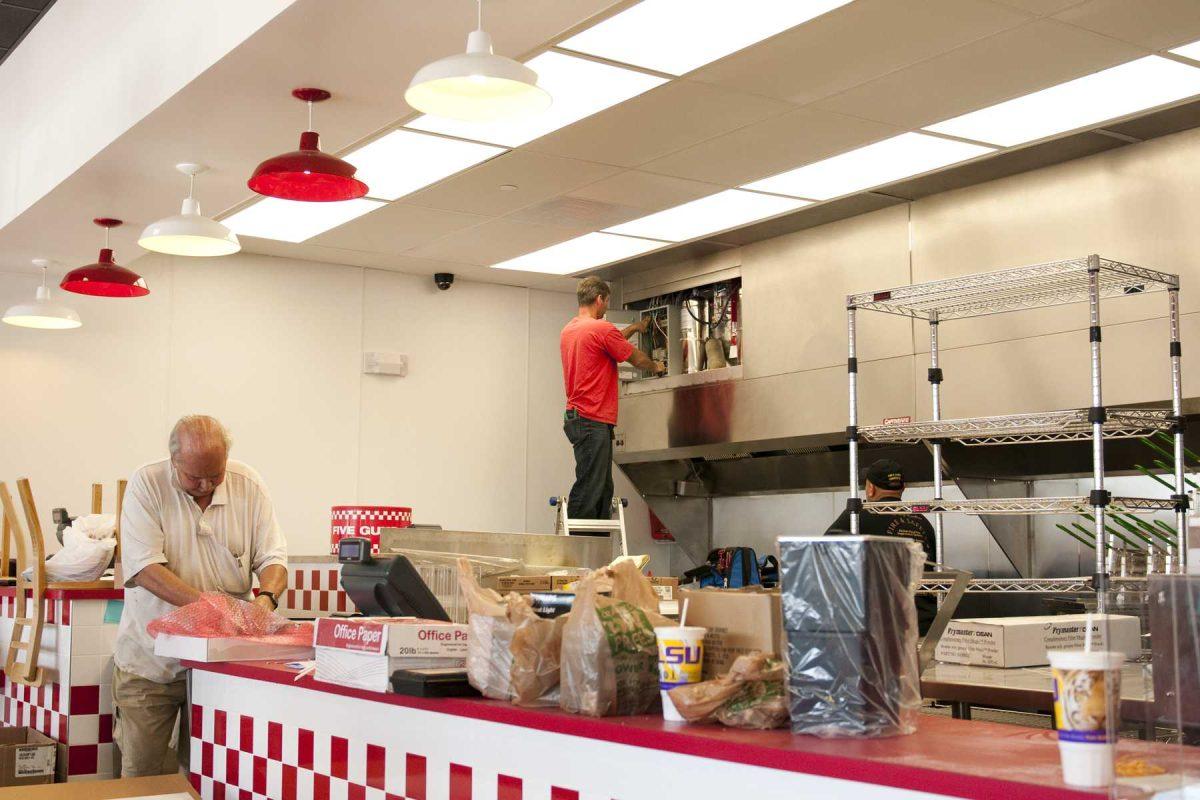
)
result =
(1022, 505)
(1035, 286)
(1052, 426)
(1012, 585)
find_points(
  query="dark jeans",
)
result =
(591, 496)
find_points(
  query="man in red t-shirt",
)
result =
(591, 348)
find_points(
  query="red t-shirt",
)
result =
(591, 350)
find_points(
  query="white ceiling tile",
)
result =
(700, 32)
(659, 122)
(494, 241)
(644, 190)
(395, 228)
(1154, 24)
(856, 43)
(536, 176)
(1007, 65)
(770, 147)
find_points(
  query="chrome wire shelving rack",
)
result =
(1089, 279)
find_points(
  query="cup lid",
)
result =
(1085, 659)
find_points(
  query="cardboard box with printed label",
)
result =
(523, 584)
(738, 621)
(665, 588)
(26, 757)
(1023, 641)
(364, 653)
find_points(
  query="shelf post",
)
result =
(935, 384)
(854, 505)
(1099, 498)
(1180, 550)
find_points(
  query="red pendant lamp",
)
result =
(105, 278)
(307, 174)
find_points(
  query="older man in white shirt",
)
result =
(194, 522)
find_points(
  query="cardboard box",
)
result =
(393, 636)
(523, 584)
(26, 757)
(159, 787)
(1023, 641)
(739, 621)
(194, 648)
(665, 588)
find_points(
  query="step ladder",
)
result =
(566, 526)
(29, 615)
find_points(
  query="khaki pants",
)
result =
(144, 717)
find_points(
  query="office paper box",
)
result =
(1023, 641)
(394, 636)
(195, 648)
(26, 757)
(738, 621)
(371, 671)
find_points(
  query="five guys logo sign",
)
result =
(362, 637)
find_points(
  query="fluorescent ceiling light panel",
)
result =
(874, 165)
(717, 212)
(402, 162)
(1108, 94)
(1191, 51)
(582, 252)
(580, 88)
(677, 36)
(294, 220)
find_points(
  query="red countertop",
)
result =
(70, 594)
(959, 758)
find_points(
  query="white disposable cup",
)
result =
(680, 661)
(1087, 763)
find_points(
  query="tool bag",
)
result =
(728, 568)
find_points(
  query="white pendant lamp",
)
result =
(478, 85)
(42, 313)
(188, 233)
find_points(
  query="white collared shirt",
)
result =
(218, 549)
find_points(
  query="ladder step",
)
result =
(18, 645)
(23, 621)
(594, 524)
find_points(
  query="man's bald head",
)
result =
(199, 447)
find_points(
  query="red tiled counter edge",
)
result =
(74, 704)
(288, 738)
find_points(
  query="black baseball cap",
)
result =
(886, 474)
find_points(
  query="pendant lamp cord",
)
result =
(310, 127)
(192, 181)
(43, 276)
(107, 231)
(480, 15)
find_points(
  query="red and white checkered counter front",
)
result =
(73, 706)
(258, 733)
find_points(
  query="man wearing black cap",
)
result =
(885, 481)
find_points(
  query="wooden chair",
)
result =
(30, 611)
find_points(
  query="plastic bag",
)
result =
(512, 653)
(851, 627)
(219, 616)
(87, 550)
(609, 651)
(536, 648)
(489, 654)
(750, 695)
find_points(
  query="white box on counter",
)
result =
(195, 648)
(1023, 641)
(371, 671)
(393, 636)
(364, 652)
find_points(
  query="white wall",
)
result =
(471, 438)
